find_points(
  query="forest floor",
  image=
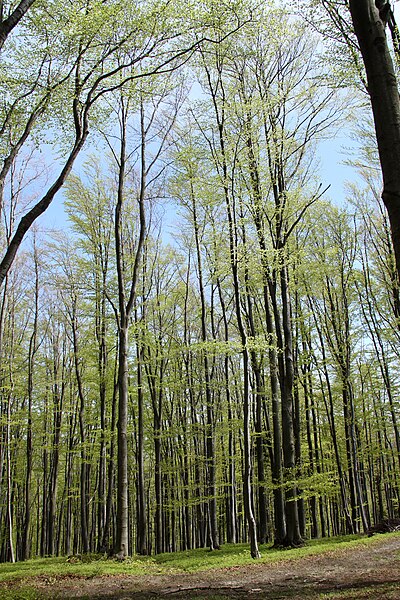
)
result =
(370, 571)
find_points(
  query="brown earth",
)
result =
(371, 572)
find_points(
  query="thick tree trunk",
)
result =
(384, 95)
(41, 206)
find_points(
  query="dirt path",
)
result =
(367, 572)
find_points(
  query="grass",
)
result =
(386, 591)
(166, 564)
(89, 566)
(239, 555)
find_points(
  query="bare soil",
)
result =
(371, 572)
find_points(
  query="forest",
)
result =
(206, 349)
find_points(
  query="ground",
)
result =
(365, 572)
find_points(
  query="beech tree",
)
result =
(86, 46)
(370, 20)
(362, 27)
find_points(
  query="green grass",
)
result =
(91, 566)
(22, 593)
(167, 564)
(239, 555)
(385, 591)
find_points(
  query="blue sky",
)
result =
(333, 172)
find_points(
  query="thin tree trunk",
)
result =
(26, 541)
(102, 368)
(210, 434)
(9, 470)
(81, 395)
(110, 467)
(330, 410)
(231, 516)
(142, 544)
(293, 536)
(125, 309)
(121, 542)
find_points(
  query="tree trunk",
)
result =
(142, 547)
(231, 516)
(125, 311)
(210, 435)
(121, 542)
(110, 468)
(81, 395)
(26, 542)
(8, 24)
(293, 536)
(102, 373)
(384, 94)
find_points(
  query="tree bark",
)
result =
(26, 542)
(210, 435)
(7, 25)
(125, 311)
(142, 547)
(82, 427)
(384, 94)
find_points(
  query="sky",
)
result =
(333, 173)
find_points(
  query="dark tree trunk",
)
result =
(384, 94)
(110, 468)
(121, 542)
(231, 502)
(293, 536)
(81, 395)
(125, 306)
(26, 541)
(102, 367)
(8, 24)
(142, 547)
(210, 435)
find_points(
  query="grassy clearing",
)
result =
(168, 564)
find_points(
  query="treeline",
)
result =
(230, 377)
